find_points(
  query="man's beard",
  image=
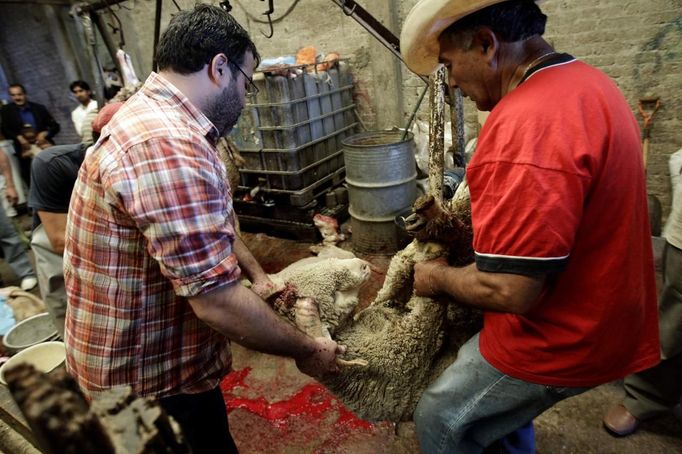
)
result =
(224, 110)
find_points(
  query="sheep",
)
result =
(408, 340)
(401, 342)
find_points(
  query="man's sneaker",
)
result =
(28, 283)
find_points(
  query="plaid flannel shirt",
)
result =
(150, 224)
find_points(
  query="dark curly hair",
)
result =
(80, 84)
(194, 37)
(512, 21)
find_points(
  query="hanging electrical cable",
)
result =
(115, 29)
(121, 5)
(263, 21)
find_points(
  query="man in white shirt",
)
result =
(81, 90)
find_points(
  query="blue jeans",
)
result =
(472, 405)
(13, 248)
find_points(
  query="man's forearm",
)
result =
(243, 317)
(247, 262)
(55, 228)
(499, 292)
(6, 169)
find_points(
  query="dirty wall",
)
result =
(638, 43)
(39, 48)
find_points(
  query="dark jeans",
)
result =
(203, 419)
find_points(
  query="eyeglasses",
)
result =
(254, 89)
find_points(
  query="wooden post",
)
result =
(436, 133)
(457, 126)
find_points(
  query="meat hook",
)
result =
(271, 9)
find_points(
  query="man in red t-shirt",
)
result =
(564, 269)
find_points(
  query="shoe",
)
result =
(29, 283)
(620, 422)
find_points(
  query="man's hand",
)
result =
(41, 140)
(322, 361)
(424, 279)
(11, 194)
(265, 288)
(25, 144)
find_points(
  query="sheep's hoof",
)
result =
(352, 363)
(414, 223)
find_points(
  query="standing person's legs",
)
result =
(657, 390)
(50, 270)
(13, 248)
(203, 419)
(472, 404)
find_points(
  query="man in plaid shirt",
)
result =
(152, 260)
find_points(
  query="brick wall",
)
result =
(638, 44)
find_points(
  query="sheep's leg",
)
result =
(307, 319)
(352, 363)
(398, 277)
(398, 285)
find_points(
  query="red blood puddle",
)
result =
(310, 403)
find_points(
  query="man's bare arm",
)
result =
(502, 292)
(55, 228)
(261, 283)
(243, 317)
(10, 188)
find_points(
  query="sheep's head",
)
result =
(427, 216)
(355, 273)
(448, 224)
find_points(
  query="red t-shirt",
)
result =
(557, 186)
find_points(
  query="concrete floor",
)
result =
(275, 409)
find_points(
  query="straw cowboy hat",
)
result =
(424, 24)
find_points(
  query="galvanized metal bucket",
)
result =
(381, 176)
